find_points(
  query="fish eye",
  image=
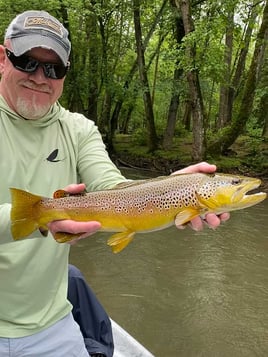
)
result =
(236, 181)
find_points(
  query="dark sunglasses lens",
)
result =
(27, 65)
(22, 63)
(54, 71)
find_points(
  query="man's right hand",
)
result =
(70, 226)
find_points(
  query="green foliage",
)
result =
(104, 53)
(139, 137)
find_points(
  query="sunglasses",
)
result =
(27, 64)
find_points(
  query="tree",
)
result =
(185, 73)
(261, 111)
(177, 77)
(224, 105)
(231, 133)
(240, 60)
(132, 71)
(148, 106)
(93, 55)
(195, 95)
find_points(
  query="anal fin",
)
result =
(120, 240)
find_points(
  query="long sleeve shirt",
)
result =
(42, 156)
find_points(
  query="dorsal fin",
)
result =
(63, 193)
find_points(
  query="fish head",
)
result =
(223, 193)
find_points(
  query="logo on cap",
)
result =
(40, 22)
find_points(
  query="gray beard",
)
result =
(31, 110)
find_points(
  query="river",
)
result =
(188, 294)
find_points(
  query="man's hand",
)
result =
(212, 220)
(85, 228)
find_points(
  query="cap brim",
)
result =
(22, 44)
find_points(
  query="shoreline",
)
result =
(153, 168)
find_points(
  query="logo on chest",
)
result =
(54, 157)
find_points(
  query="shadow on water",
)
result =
(188, 294)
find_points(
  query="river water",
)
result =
(188, 294)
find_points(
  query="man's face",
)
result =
(29, 94)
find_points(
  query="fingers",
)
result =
(83, 229)
(224, 216)
(200, 167)
(74, 227)
(197, 224)
(75, 188)
(211, 220)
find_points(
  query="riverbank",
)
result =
(244, 158)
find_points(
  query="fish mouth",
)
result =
(244, 197)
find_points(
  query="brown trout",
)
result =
(138, 206)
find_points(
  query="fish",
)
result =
(139, 206)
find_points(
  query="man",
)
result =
(45, 147)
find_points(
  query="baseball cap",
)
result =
(32, 29)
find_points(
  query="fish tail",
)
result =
(24, 213)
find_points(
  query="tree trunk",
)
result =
(172, 112)
(148, 107)
(199, 147)
(231, 133)
(224, 117)
(157, 54)
(261, 112)
(127, 116)
(92, 109)
(75, 101)
(119, 103)
(186, 120)
(241, 60)
(175, 96)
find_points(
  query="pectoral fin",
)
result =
(185, 216)
(120, 240)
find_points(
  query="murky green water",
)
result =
(188, 294)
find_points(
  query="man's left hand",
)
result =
(211, 219)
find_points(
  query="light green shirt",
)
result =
(42, 156)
